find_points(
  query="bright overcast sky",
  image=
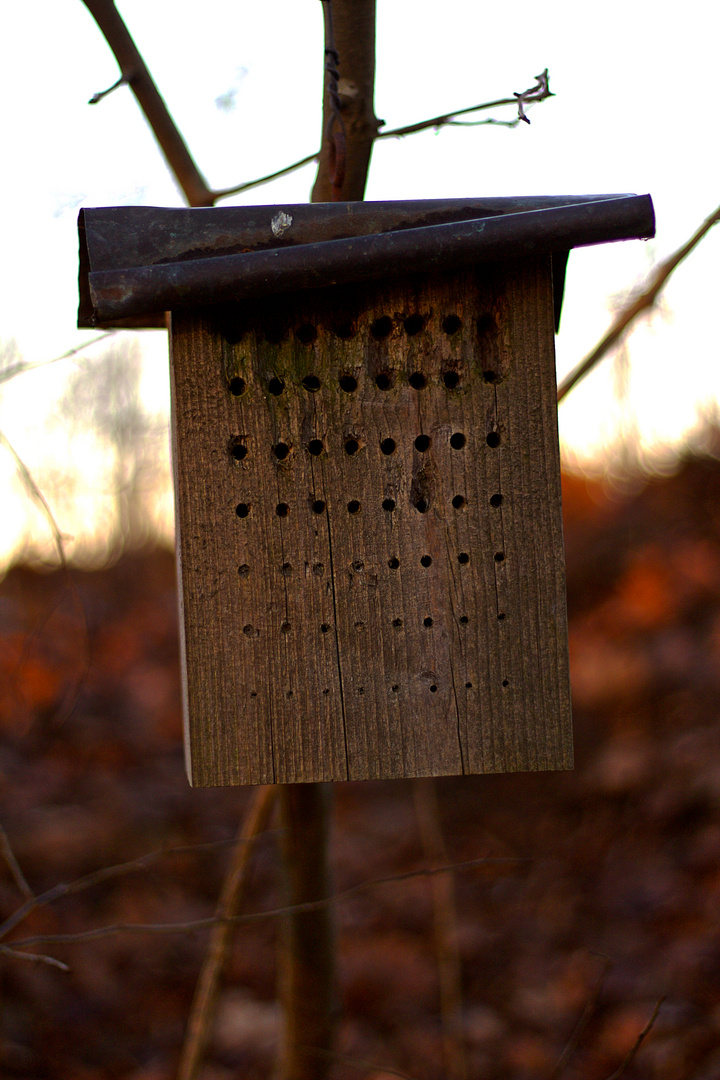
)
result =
(635, 111)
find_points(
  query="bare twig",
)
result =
(637, 305)
(34, 958)
(37, 496)
(638, 1042)
(19, 368)
(97, 97)
(446, 943)
(585, 1018)
(14, 866)
(203, 1007)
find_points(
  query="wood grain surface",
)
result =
(369, 531)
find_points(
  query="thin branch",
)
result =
(37, 496)
(536, 93)
(13, 370)
(34, 958)
(97, 97)
(639, 1041)
(585, 1018)
(14, 866)
(202, 1011)
(640, 303)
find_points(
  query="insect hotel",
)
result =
(367, 475)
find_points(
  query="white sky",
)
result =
(635, 111)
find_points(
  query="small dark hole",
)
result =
(318, 506)
(353, 507)
(324, 627)
(315, 447)
(276, 386)
(388, 504)
(287, 568)
(468, 686)
(387, 446)
(253, 693)
(490, 376)
(421, 506)
(457, 441)
(463, 558)
(433, 689)
(417, 380)
(344, 330)
(458, 502)
(348, 383)
(413, 325)
(451, 324)
(282, 509)
(307, 334)
(499, 556)
(361, 689)
(285, 627)
(248, 630)
(326, 691)
(426, 561)
(501, 615)
(506, 682)
(311, 383)
(243, 570)
(393, 563)
(493, 439)
(427, 621)
(281, 450)
(289, 694)
(351, 447)
(236, 386)
(464, 619)
(496, 499)
(242, 510)
(383, 381)
(358, 565)
(451, 379)
(394, 688)
(422, 443)
(239, 451)
(381, 327)
(397, 622)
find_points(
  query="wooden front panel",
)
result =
(369, 532)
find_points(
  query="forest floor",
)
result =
(599, 893)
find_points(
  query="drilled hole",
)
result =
(311, 383)
(468, 686)
(496, 499)
(351, 447)
(393, 563)
(281, 450)
(422, 443)
(499, 556)
(276, 386)
(451, 324)
(253, 693)
(506, 682)
(282, 509)
(289, 694)
(501, 615)
(427, 621)
(348, 383)
(383, 381)
(324, 628)
(413, 325)
(493, 439)
(353, 507)
(242, 510)
(451, 379)
(381, 327)
(243, 570)
(458, 440)
(417, 380)
(326, 690)
(388, 504)
(394, 688)
(397, 622)
(306, 333)
(248, 630)
(491, 376)
(458, 502)
(464, 620)
(433, 689)
(344, 330)
(358, 565)
(318, 506)
(463, 558)
(287, 568)
(315, 447)
(421, 506)
(388, 446)
(426, 561)
(236, 386)
(238, 451)
(285, 627)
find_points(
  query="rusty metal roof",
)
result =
(138, 262)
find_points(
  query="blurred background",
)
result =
(600, 889)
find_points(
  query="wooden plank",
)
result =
(356, 608)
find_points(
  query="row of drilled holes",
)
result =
(394, 689)
(393, 563)
(380, 328)
(319, 506)
(428, 622)
(385, 380)
(315, 447)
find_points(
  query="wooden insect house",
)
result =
(367, 475)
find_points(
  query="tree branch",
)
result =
(638, 1042)
(637, 305)
(139, 79)
(14, 866)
